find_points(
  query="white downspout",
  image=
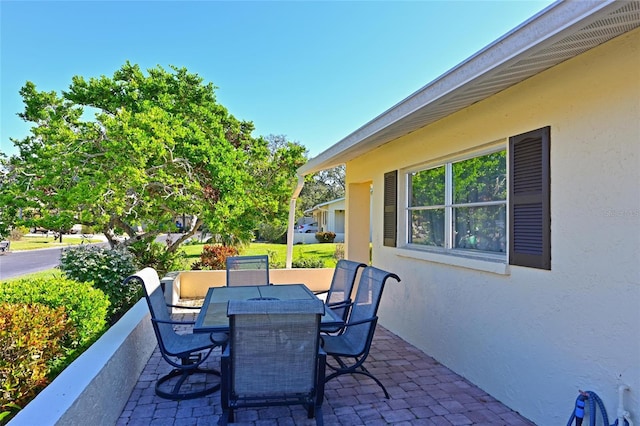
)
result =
(622, 413)
(292, 220)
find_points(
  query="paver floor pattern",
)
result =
(423, 392)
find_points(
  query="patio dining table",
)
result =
(213, 315)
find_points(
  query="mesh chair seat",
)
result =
(183, 344)
(335, 345)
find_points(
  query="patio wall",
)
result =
(304, 238)
(94, 389)
(194, 284)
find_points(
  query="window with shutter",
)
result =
(460, 207)
(529, 199)
(390, 208)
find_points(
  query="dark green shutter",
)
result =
(529, 199)
(390, 208)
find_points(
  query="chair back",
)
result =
(160, 318)
(247, 270)
(344, 276)
(274, 348)
(365, 306)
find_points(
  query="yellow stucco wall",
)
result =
(532, 338)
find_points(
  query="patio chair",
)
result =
(273, 356)
(247, 270)
(338, 296)
(190, 349)
(351, 348)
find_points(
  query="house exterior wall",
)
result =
(335, 222)
(330, 216)
(532, 338)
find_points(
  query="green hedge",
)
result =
(32, 341)
(85, 305)
(45, 323)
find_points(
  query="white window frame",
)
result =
(474, 259)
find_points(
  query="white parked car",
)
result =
(307, 228)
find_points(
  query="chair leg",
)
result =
(224, 418)
(365, 373)
(310, 411)
(319, 419)
(175, 394)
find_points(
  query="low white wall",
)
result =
(310, 238)
(94, 389)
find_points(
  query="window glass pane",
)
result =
(481, 228)
(427, 187)
(427, 227)
(480, 179)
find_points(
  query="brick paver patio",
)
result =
(422, 391)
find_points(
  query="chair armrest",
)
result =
(173, 322)
(364, 321)
(221, 339)
(345, 304)
(226, 353)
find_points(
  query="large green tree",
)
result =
(326, 185)
(136, 151)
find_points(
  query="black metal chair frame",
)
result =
(311, 398)
(232, 263)
(188, 348)
(358, 356)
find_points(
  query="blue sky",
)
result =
(313, 71)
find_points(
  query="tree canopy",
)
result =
(136, 151)
(326, 185)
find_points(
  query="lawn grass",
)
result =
(324, 251)
(47, 273)
(32, 243)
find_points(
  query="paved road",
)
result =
(13, 264)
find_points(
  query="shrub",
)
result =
(307, 262)
(339, 253)
(32, 338)
(86, 229)
(85, 305)
(106, 269)
(18, 232)
(156, 255)
(272, 233)
(325, 237)
(215, 257)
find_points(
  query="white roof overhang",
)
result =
(561, 31)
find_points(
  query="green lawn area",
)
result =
(47, 273)
(32, 243)
(324, 251)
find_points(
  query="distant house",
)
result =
(505, 194)
(330, 215)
